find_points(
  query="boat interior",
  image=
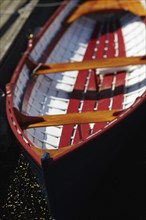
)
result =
(90, 51)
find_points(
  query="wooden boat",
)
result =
(77, 92)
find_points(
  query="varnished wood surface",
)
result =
(90, 64)
(52, 153)
(133, 6)
(65, 119)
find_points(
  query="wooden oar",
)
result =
(106, 6)
(90, 64)
(65, 119)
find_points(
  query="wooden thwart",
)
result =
(98, 6)
(90, 64)
(27, 122)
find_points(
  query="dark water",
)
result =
(23, 198)
(121, 193)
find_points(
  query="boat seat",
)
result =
(89, 64)
(132, 6)
(28, 122)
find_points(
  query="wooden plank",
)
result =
(90, 64)
(27, 122)
(107, 6)
(93, 85)
(70, 131)
(52, 153)
(13, 16)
